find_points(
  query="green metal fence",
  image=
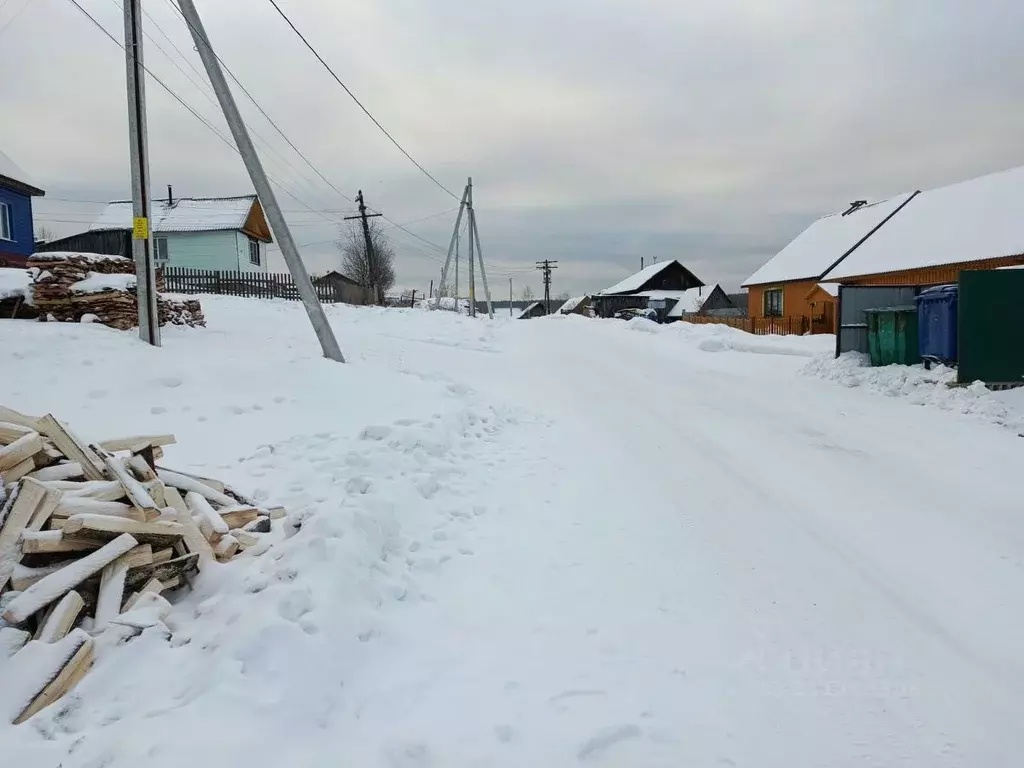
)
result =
(991, 326)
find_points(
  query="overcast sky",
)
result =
(597, 131)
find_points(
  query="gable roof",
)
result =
(647, 276)
(185, 214)
(968, 221)
(826, 242)
(529, 309)
(13, 177)
(571, 304)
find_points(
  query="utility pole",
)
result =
(510, 297)
(474, 235)
(457, 243)
(371, 261)
(546, 266)
(472, 281)
(431, 294)
(451, 247)
(267, 198)
(142, 236)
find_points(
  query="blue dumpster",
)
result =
(937, 319)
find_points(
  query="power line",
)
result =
(15, 15)
(358, 102)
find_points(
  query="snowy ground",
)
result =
(551, 542)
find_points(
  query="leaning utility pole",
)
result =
(371, 258)
(474, 235)
(451, 246)
(142, 236)
(546, 266)
(278, 225)
(466, 204)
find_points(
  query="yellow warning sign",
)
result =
(140, 228)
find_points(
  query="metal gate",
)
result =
(991, 326)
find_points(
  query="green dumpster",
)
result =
(892, 335)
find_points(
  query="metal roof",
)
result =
(185, 214)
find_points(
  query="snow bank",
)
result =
(715, 337)
(923, 387)
(98, 283)
(14, 283)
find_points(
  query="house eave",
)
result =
(20, 186)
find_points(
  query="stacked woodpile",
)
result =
(92, 538)
(69, 286)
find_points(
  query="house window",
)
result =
(5, 222)
(773, 302)
(254, 252)
(160, 245)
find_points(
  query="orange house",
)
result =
(788, 285)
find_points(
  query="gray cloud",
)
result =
(597, 131)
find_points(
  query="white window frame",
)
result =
(254, 248)
(6, 228)
(156, 250)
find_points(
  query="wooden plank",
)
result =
(22, 449)
(192, 536)
(276, 513)
(62, 618)
(153, 586)
(165, 572)
(71, 505)
(14, 518)
(226, 548)
(46, 544)
(18, 471)
(66, 471)
(210, 523)
(73, 448)
(12, 416)
(246, 539)
(131, 443)
(188, 483)
(111, 594)
(65, 678)
(54, 586)
(238, 517)
(24, 577)
(161, 533)
(10, 432)
(163, 555)
(136, 493)
(145, 473)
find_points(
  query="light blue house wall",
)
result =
(225, 251)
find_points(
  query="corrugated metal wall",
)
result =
(114, 242)
(852, 334)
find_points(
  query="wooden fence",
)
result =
(257, 285)
(760, 326)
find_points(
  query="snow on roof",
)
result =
(571, 304)
(9, 169)
(832, 289)
(635, 281)
(185, 214)
(689, 302)
(824, 243)
(526, 311)
(968, 221)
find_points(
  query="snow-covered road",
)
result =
(564, 542)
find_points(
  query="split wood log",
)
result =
(210, 523)
(100, 490)
(10, 432)
(48, 589)
(55, 542)
(73, 448)
(59, 667)
(193, 538)
(22, 449)
(112, 580)
(276, 513)
(226, 548)
(62, 618)
(72, 505)
(238, 517)
(160, 533)
(136, 493)
(192, 484)
(177, 568)
(261, 524)
(143, 471)
(24, 577)
(246, 539)
(31, 498)
(154, 586)
(12, 416)
(18, 471)
(163, 555)
(11, 641)
(149, 610)
(66, 471)
(132, 443)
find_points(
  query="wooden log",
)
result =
(261, 524)
(165, 572)
(73, 448)
(136, 493)
(71, 505)
(190, 484)
(112, 581)
(11, 641)
(100, 490)
(18, 471)
(246, 539)
(62, 618)
(160, 533)
(163, 555)
(24, 577)
(193, 538)
(66, 471)
(226, 548)
(55, 542)
(142, 471)
(157, 491)
(276, 513)
(32, 498)
(172, 583)
(149, 610)
(10, 432)
(136, 442)
(61, 665)
(54, 586)
(210, 523)
(12, 416)
(22, 449)
(237, 517)
(154, 586)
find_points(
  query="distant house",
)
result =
(578, 305)
(17, 239)
(660, 287)
(214, 233)
(719, 304)
(343, 287)
(536, 309)
(740, 301)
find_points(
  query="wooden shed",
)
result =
(666, 279)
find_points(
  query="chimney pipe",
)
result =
(641, 263)
(170, 196)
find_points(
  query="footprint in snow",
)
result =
(600, 742)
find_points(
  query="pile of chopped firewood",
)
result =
(68, 286)
(92, 535)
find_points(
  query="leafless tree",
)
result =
(44, 234)
(527, 294)
(376, 274)
(563, 297)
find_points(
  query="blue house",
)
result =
(17, 239)
(223, 234)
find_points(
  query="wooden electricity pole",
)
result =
(371, 261)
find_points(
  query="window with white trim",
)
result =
(6, 231)
(254, 251)
(160, 249)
